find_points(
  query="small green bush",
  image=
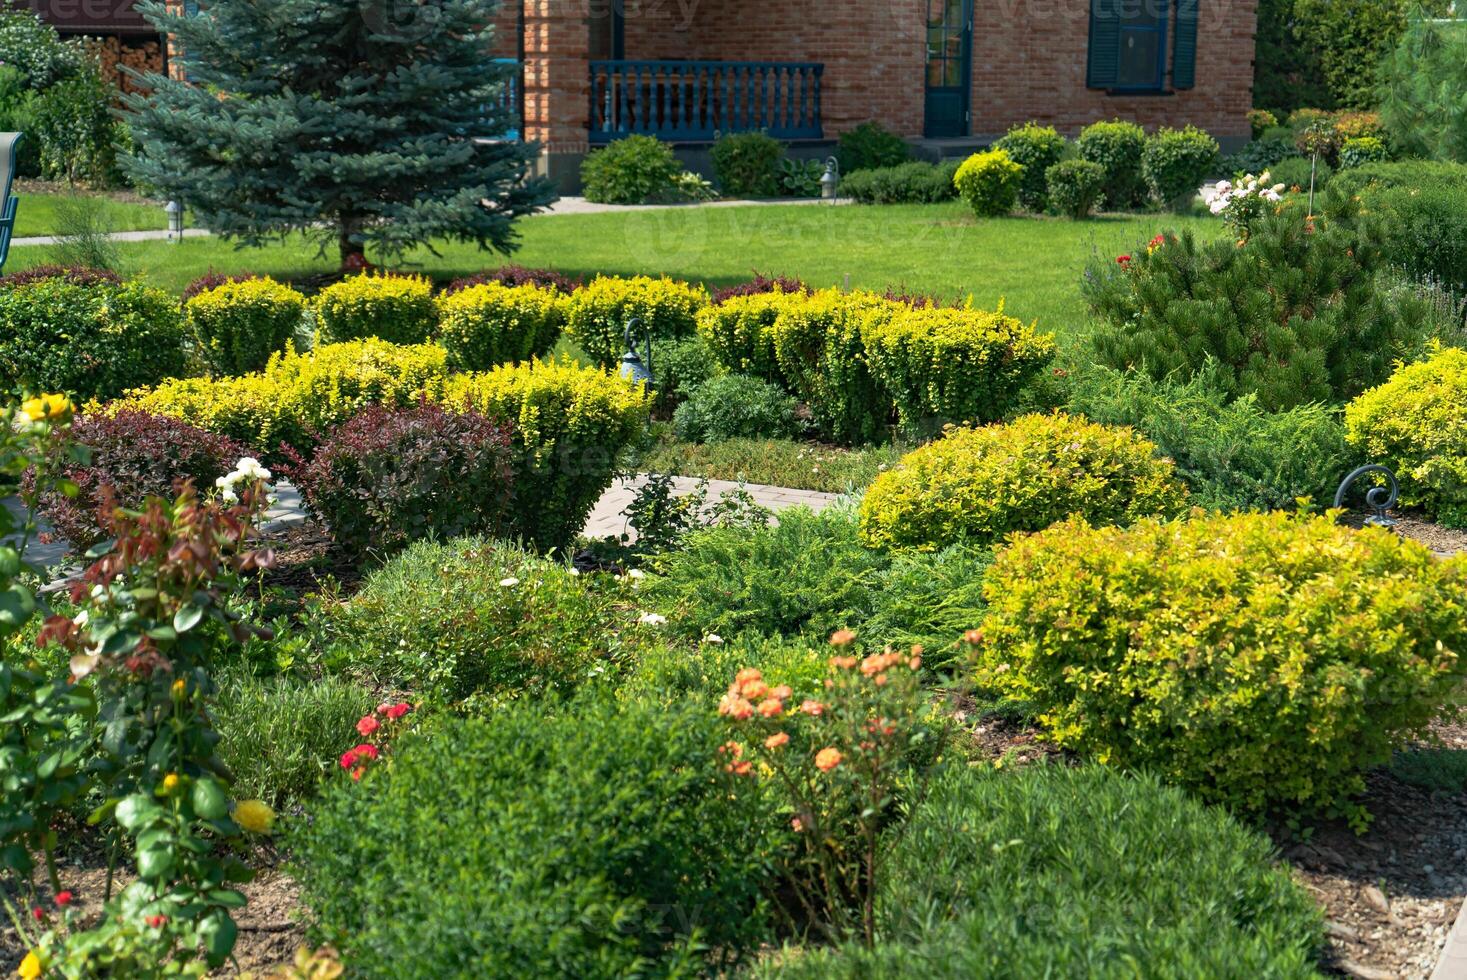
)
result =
(989, 182)
(947, 365)
(597, 314)
(89, 341)
(1361, 150)
(1035, 148)
(736, 406)
(630, 171)
(871, 146)
(1295, 173)
(468, 617)
(397, 309)
(1075, 187)
(739, 332)
(595, 839)
(669, 672)
(1410, 174)
(747, 164)
(238, 325)
(981, 484)
(280, 737)
(491, 324)
(1175, 162)
(1258, 156)
(1116, 146)
(1414, 423)
(1260, 121)
(1055, 871)
(682, 367)
(1232, 454)
(910, 183)
(1262, 660)
(1427, 235)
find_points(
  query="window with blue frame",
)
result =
(1140, 46)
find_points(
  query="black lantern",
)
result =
(633, 368)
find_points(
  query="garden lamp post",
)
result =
(174, 210)
(830, 180)
(1379, 499)
(632, 366)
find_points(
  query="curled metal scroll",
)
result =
(1377, 498)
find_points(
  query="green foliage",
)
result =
(670, 672)
(1175, 162)
(309, 117)
(1233, 455)
(739, 332)
(82, 230)
(747, 164)
(1423, 94)
(1117, 147)
(1295, 173)
(279, 736)
(593, 839)
(1428, 232)
(871, 146)
(34, 50)
(910, 183)
(989, 183)
(820, 345)
(397, 309)
(947, 365)
(299, 397)
(736, 406)
(1260, 155)
(1408, 174)
(800, 178)
(92, 341)
(239, 325)
(1261, 121)
(1036, 148)
(597, 314)
(1437, 770)
(1351, 41)
(17, 115)
(72, 122)
(1075, 187)
(1286, 74)
(1413, 424)
(1295, 316)
(682, 366)
(1262, 660)
(1363, 149)
(981, 484)
(570, 427)
(772, 462)
(1059, 871)
(492, 324)
(439, 620)
(629, 171)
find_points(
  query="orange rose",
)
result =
(828, 759)
(770, 707)
(842, 638)
(777, 740)
(812, 708)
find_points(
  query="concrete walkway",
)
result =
(155, 235)
(608, 517)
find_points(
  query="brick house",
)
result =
(951, 73)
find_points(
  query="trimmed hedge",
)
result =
(910, 183)
(981, 484)
(1036, 148)
(489, 324)
(1075, 187)
(597, 314)
(1175, 162)
(739, 332)
(1262, 660)
(239, 324)
(397, 309)
(1116, 146)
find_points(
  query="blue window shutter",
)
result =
(1184, 54)
(1102, 69)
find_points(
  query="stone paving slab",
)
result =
(1453, 964)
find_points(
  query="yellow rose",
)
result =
(46, 408)
(254, 816)
(170, 782)
(30, 967)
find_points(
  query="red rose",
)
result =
(396, 711)
(64, 899)
(365, 751)
(368, 725)
(39, 913)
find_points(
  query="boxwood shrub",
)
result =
(1036, 148)
(598, 313)
(911, 183)
(93, 340)
(1116, 146)
(980, 484)
(1076, 872)
(629, 171)
(747, 164)
(595, 839)
(398, 309)
(238, 324)
(1263, 660)
(989, 182)
(1075, 187)
(1175, 162)
(489, 324)
(1416, 423)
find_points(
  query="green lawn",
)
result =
(1033, 264)
(36, 215)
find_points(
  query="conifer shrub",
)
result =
(1416, 423)
(489, 324)
(1262, 660)
(870, 146)
(397, 309)
(1297, 315)
(1035, 148)
(239, 324)
(598, 313)
(981, 484)
(1116, 146)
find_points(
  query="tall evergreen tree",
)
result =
(352, 120)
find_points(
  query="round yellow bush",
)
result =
(397, 309)
(980, 484)
(1416, 423)
(239, 324)
(492, 324)
(1262, 660)
(989, 182)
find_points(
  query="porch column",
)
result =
(558, 85)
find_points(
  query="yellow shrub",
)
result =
(239, 324)
(1416, 423)
(597, 313)
(491, 324)
(571, 427)
(982, 484)
(989, 182)
(398, 309)
(740, 332)
(1259, 659)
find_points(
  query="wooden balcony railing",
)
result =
(692, 101)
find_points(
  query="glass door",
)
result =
(949, 71)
